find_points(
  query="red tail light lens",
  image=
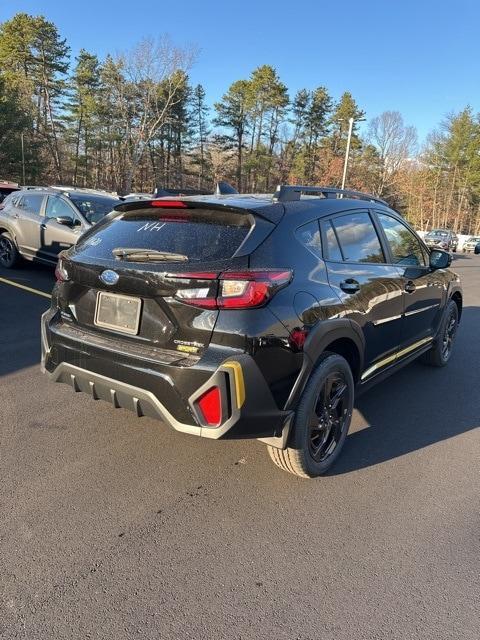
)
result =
(61, 273)
(236, 289)
(210, 405)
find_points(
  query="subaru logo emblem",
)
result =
(109, 277)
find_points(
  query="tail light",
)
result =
(61, 273)
(233, 289)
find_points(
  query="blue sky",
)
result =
(420, 58)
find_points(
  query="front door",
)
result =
(424, 289)
(55, 236)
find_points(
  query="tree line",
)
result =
(133, 121)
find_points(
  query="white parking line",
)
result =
(25, 288)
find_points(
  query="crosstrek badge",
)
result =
(188, 347)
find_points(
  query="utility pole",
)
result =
(23, 159)
(347, 152)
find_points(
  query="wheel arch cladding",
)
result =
(457, 298)
(337, 335)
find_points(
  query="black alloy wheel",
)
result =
(449, 334)
(8, 252)
(328, 417)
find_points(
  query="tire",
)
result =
(439, 354)
(318, 434)
(9, 255)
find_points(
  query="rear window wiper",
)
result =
(148, 255)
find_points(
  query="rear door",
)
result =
(56, 237)
(201, 244)
(28, 211)
(424, 289)
(370, 290)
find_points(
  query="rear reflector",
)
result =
(210, 405)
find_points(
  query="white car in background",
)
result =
(470, 244)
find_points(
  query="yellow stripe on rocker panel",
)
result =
(239, 382)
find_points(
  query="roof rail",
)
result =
(290, 193)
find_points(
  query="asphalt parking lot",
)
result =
(116, 527)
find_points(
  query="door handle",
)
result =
(350, 286)
(410, 287)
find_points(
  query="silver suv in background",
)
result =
(441, 239)
(38, 223)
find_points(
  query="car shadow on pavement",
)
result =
(20, 313)
(419, 405)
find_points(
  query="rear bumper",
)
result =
(167, 392)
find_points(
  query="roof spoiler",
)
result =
(222, 188)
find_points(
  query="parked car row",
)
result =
(37, 223)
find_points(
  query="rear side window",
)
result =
(309, 236)
(358, 238)
(31, 202)
(333, 248)
(203, 236)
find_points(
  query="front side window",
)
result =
(358, 238)
(57, 207)
(31, 202)
(405, 247)
(93, 207)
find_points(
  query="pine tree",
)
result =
(200, 132)
(83, 111)
(34, 58)
(345, 109)
(233, 115)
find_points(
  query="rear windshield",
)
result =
(202, 236)
(93, 207)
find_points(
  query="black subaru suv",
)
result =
(249, 316)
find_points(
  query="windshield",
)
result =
(438, 234)
(93, 207)
(474, 239)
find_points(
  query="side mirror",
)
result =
(65, 220)
(440, 259)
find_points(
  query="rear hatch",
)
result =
(138, 275)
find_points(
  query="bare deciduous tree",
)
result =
(394, 142)
(148, 85)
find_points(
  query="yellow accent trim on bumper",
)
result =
(395, 356)
(239, 381)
